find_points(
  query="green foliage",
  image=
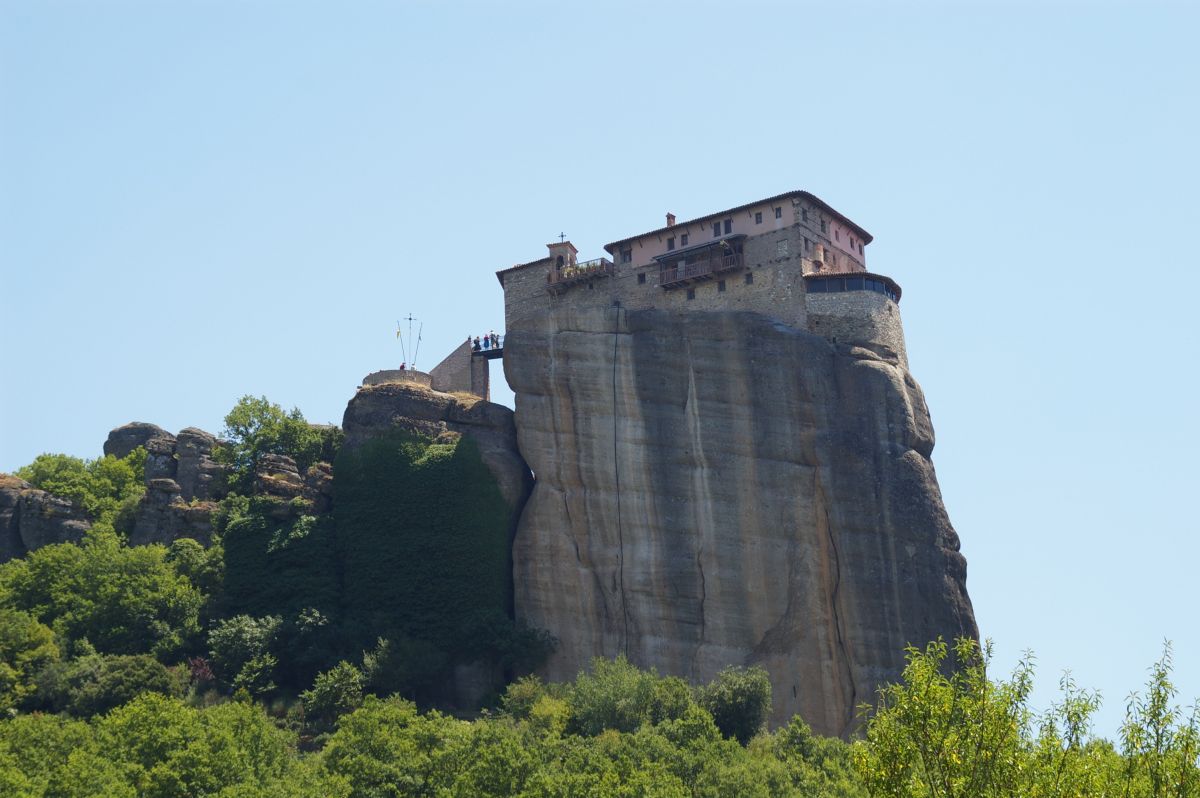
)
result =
(242, 642)
(203, 567)
(255, 427)
(430, 538)
(102, 487)
(1159, 742)
(388, 748)
(739, 700)
(26, 647)
(404, 666)
(425, 548)
(278, 564)
(617, 695)
(334, 693)
(124, 600)
(950, 732)
(94, 683)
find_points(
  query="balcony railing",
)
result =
(559, 279)
(683, 273)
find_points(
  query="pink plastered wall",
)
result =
(646, 248)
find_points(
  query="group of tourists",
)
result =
(481, 343)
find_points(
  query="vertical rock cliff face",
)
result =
(719, 488)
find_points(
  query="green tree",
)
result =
(94, 683)
(739, 700)
(387, 748)
(948, 732)
(617, 695)
(256, 427)
(240, 642)
(123, 599)
(102, 488)
(1160, 742)
(334, 693)
(26, 647)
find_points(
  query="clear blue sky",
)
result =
(209, 199)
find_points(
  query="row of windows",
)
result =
(836, 285)
(758, 215)
(727, 227)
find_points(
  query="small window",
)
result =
(716, 229)
(758, 217)
(720, 285)
(816, 287)
(824, 226)
(641, 278)
(837, 235)
(779, 213)
(807, 245)
(683, 240)
(804, 214)
(728, 226)
(626, 255)
(691, 293)
(670, 243)
(860, 248)
(749, 278)
(559, 263)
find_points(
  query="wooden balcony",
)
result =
(559, 280)
(678, 274)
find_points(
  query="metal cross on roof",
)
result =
(562, 237)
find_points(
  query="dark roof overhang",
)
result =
(679, 253)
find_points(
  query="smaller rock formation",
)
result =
(32, 518)
(164, 516)
(376, 409)
(198, 474)
(160, 458)
(123, 440)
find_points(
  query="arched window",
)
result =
(559, 264)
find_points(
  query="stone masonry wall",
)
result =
(398, 375)
(774, 259)
(859, 318)
(460, 371)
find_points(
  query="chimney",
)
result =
(670, 220)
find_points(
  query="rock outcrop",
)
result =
(164, 515)
(198, 474)
(124, 439)
(720, 488)
(32, 518)
(375, 409)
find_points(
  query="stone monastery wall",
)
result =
(776, 254)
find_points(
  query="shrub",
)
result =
(237, 642)
(334, 693)
(739, 700)
(617, 695)
(26, 647)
